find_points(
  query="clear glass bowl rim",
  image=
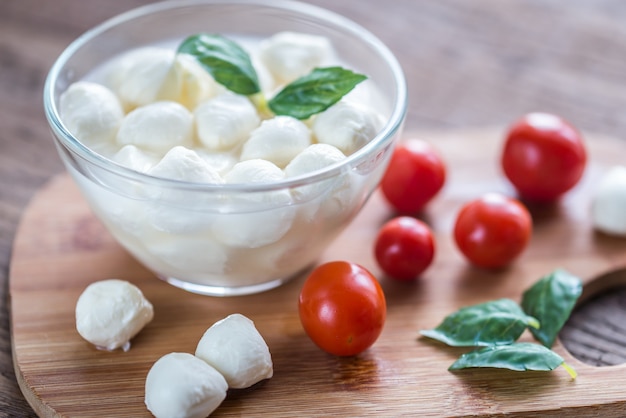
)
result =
(393, 125)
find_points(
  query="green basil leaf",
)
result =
(314, 92)
(225, 60)
(518, 357)
(496, 322)
(551, 301)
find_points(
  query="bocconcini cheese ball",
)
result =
(347, 126)
(157, 127)
(182, 385)
(289, 55)
(91, 112)
(277, 140)
(111, 312)
(237, 350)
(225, 121)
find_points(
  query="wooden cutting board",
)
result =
(60, 248)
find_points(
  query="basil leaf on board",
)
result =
(551, 300)
(314, 92)
(495, 322)
(225, 60)
(518, 356)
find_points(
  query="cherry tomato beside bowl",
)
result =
(414, 176)
(342, 308)
(543, 157)
(493, 230)
(404, 248)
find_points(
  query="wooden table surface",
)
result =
(469, 64)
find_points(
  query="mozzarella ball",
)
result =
(157, 127)
(111, 312)
(341, 199)
(255, 171)
(330, 197)
(134, 158)
(225, 121)
(347, 126)
(220, 161)
(277, 140)
(609, 202)
(91, 112)
(257, 218)
(194, 255)
(180, 211)
(170, 214)
(188, 83)
(138, 76)
(123, 214)
(254, 229)
(289, 55)
(237, 350)
(180, 385)
(266, 79)
(185, 164)
(313, 158)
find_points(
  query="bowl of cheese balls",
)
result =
(225, 144)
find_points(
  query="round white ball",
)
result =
(111, 312)
(347, 126)
(608, 208)
(91, 112)
(182, 385)
(157, 127)
(289, 55)
(277, 140)
(237, 350)
(225, 121)
(138, 76)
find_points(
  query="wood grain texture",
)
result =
(60, 248)
(468, 64)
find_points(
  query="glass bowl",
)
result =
(226, 239)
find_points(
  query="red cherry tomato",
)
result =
(493, 230)
(543, 157)
(404, 248)
(342, 308)
(415, 175)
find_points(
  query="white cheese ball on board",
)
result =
(138, 76)
(237, 350)
(91, 112)
(180, 385)
(157, 127)
(608, 207)
(277, 140)
(289, 55)
(347, 126)
(111, 312)
(225, 121)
